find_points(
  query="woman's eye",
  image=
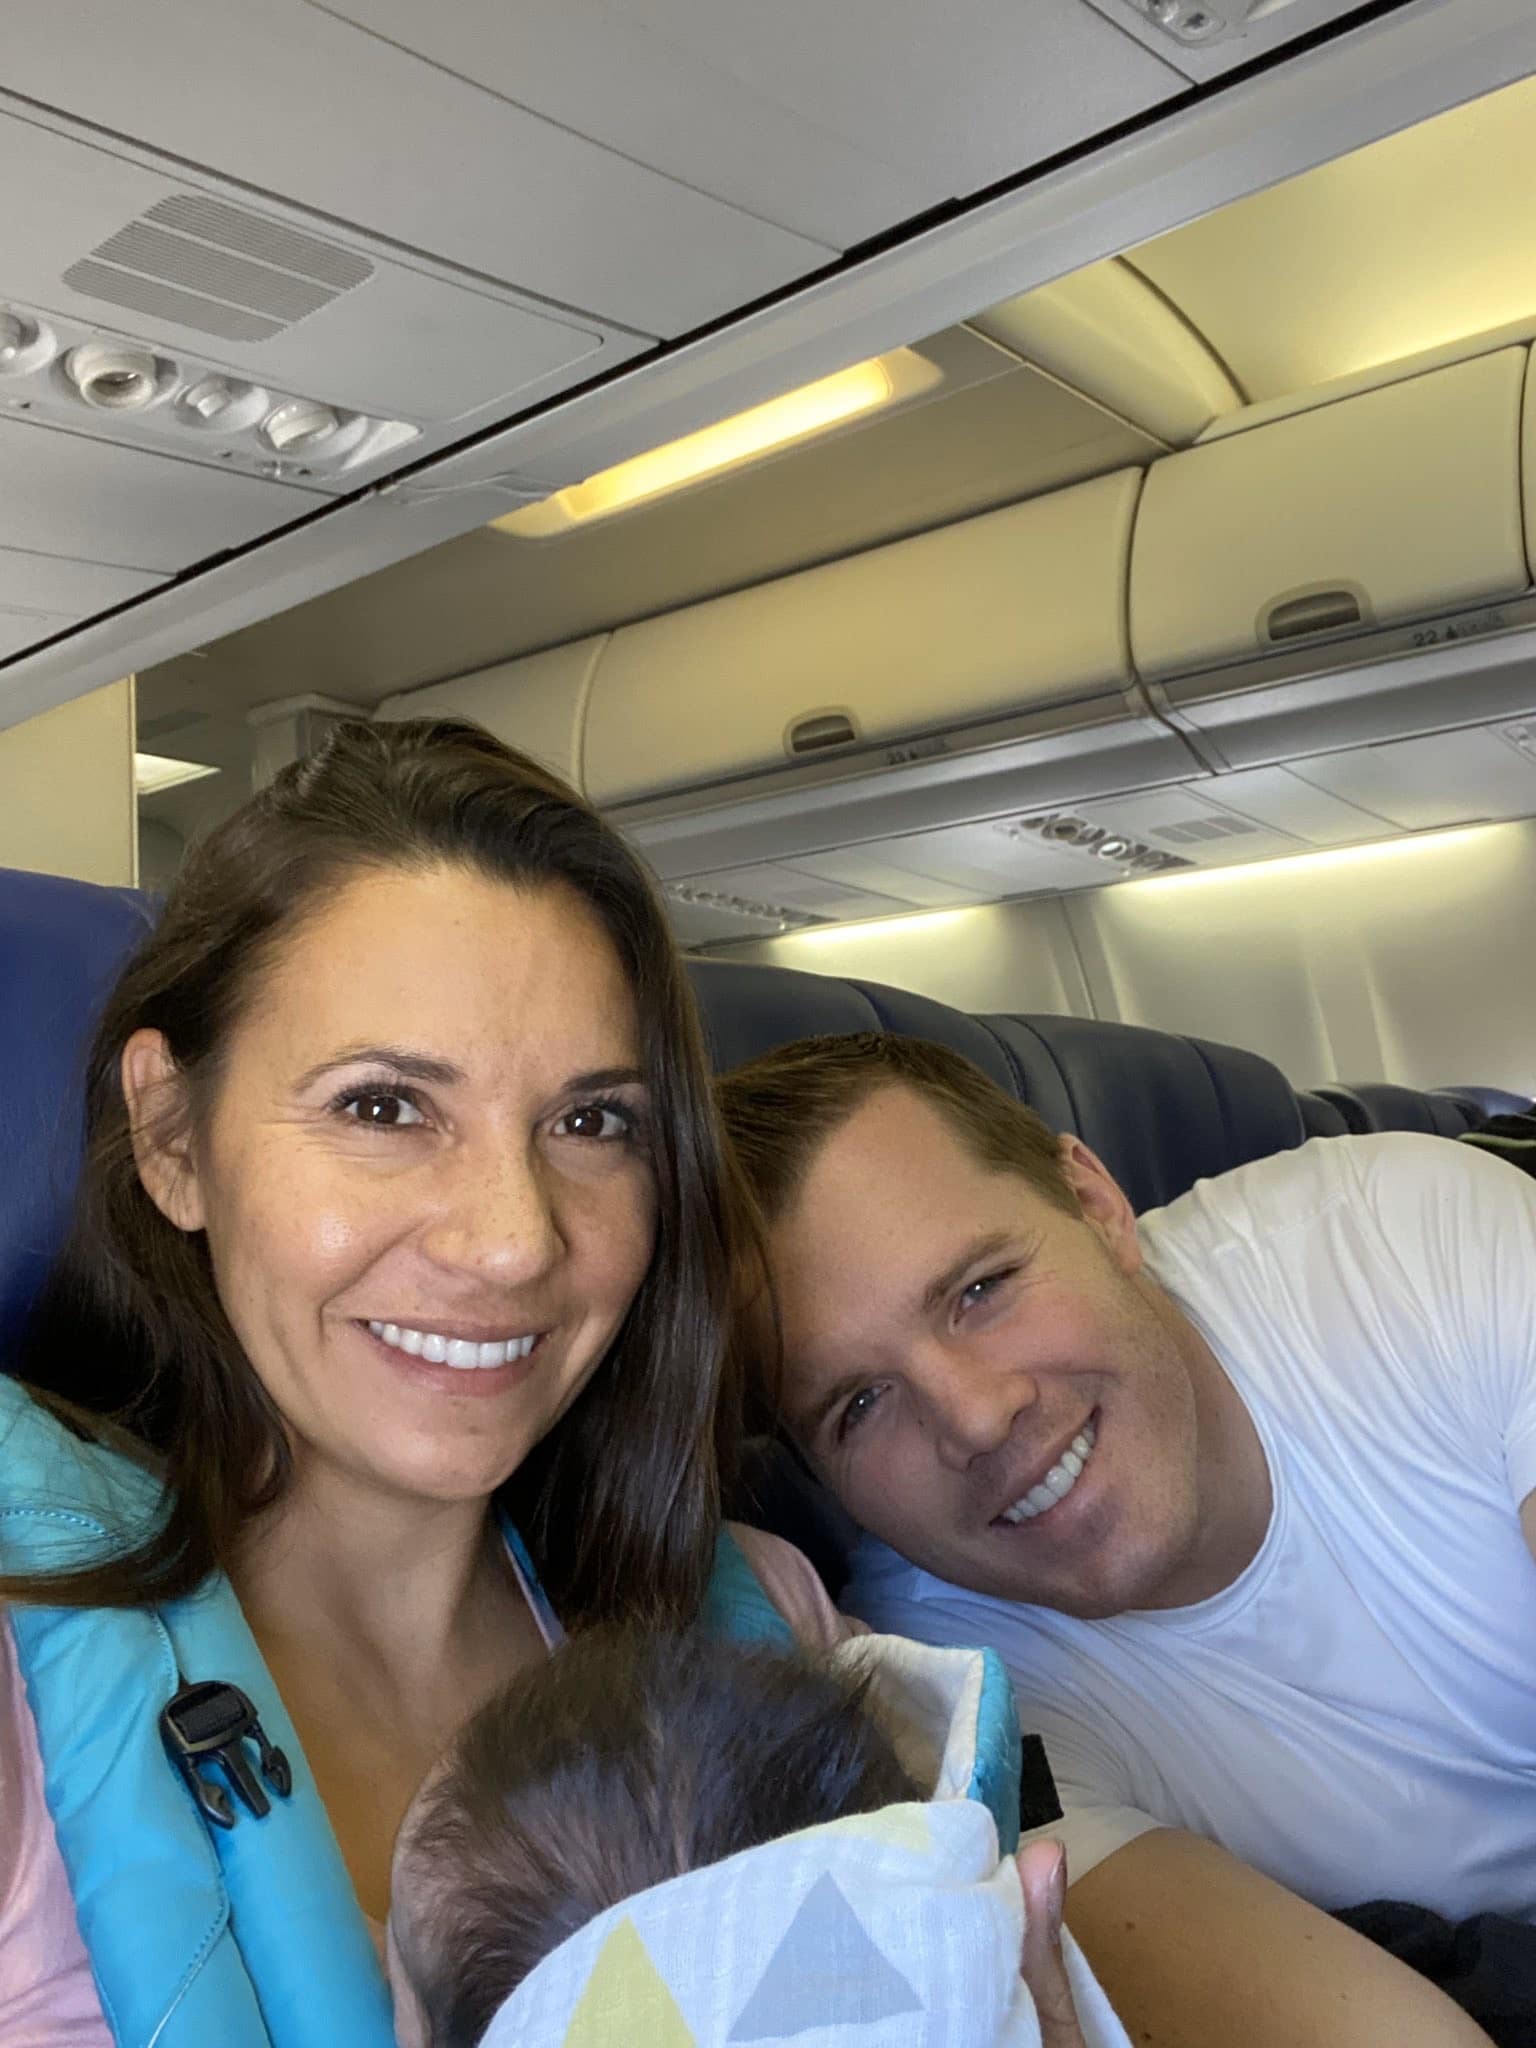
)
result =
(602, 1120)
(379, 1109)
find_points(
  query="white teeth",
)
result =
(462, 1353)
(1057, 1483)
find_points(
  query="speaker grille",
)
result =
(217, 269)
(1190, 830)
(250, 234)
(142, 295)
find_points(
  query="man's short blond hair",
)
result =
(780, 1109)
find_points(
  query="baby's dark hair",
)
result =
(625, 1760)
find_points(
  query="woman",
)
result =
(400, 1262)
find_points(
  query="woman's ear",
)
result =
(1102, 1200)
(155, 1092)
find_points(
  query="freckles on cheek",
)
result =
(331, 1235)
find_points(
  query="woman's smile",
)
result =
(455, 1366)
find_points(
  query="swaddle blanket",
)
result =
(902, 1928)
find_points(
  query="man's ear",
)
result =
(155, 1092)
(1102, 1201)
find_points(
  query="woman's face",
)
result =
(425, 1178)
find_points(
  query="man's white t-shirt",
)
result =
(1356, 1713)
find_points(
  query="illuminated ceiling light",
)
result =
(154, 772)
(904, 923)
(747, 437)
(1255, 871)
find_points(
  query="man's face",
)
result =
(991, 1385)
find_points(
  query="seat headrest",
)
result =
(62, 944)
(1386, 1106)
(1161, 1111)
(748, 1010)
(1480, 1102)
(1322, 1118)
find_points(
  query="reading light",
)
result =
(154, 772)
(746, 437)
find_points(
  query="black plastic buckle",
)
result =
(211, 1722)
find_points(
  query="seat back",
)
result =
(1386, 1106)
(1322, 1118)
(62, 944)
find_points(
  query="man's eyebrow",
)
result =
(809, 1425)
(975, 1254)
(399, 1059)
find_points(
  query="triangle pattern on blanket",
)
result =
(826, 1972)
(626, 2000)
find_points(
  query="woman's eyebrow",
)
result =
(399, 1059)
(606, 1077)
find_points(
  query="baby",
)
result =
(678, 1842)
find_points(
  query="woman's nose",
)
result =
(499, 1219)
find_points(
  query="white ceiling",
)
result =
(540, 189)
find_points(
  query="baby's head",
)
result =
(624, 1761)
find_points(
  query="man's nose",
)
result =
(973, 1405)
(499, 1217)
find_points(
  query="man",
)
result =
(1241, 1490)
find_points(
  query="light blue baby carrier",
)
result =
(211, 1894)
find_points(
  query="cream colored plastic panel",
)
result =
(1402, 503)
(1107, 333)
(535, 704)
(1528, 467)
(1018, 609)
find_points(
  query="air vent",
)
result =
(217, 269)
(1190, 831)
(780, 914)
(1098, 842)
(1194, 22)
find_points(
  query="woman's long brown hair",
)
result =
(620, 1503)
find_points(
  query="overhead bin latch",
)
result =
(1312, 611)
(818, 731)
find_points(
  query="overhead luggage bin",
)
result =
(536, 704)
(1398, 504)
(1010, 613)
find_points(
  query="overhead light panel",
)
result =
(154, 772)
(698, 898)
(1098, 842)
(747, 437)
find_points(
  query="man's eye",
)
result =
(857, 1410)
(379, 1108)
(603, 1121)
(982, 1290)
